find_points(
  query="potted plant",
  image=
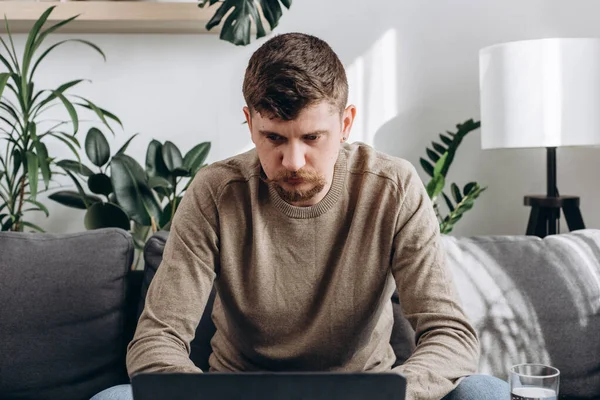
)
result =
(121, 193)
(24, 133)
(442, 155)
(242, 13)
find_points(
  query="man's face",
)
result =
(298, 156)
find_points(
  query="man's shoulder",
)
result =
(364, 159)
(239, 168)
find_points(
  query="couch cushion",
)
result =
(534, 300)
(402, 338)
(62, 313)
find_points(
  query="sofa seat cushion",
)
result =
(534, 300)
(62, 313)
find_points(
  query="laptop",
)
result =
(269, 386)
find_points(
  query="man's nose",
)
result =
(293, 158)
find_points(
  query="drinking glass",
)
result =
(533, 382)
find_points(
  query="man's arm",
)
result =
(447, 345)
(180, 289)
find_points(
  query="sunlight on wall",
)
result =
(372, 81)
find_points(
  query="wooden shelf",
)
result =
(111, 16)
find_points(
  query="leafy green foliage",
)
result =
(441, 156)
(240, 14)
(25, 164)
(123, 193)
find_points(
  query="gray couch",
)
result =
(69, 304)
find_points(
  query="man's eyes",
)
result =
(274, 138)
(277, 138)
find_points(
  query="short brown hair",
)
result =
(292, 71)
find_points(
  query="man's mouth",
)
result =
(294, 181)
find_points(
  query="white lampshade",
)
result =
(540, 93)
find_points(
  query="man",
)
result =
(306, 237)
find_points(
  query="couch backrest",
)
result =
(65, 319)
(534, 300)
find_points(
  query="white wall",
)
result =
(413, 69)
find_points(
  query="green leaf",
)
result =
(39, 205)
(439, 165)
(181, 171)
(32, 226)
(51, 29)
(73, 199)
(195, 158)
(44, 162)
(106, 215)
(155, 165)
(4, 77)
(47, 51)
(75, 167)
(167, 212)
(53, 94)
(435, 186)
(456, 192)
(70, 109)
(100, 184)
(17, 160)
(240, 16)
(80, 190)
(158, 181)
(30, 45)
(272, 10)
(32, 171)
(171, 156)
(65, 141)
(432, 155)
(1, 174)
(124, 147)
(447, 141)
(438, 147)
(97, 147)
(426, 166)
(448, 202)
(468, 187)
(101, 113)
(132, 191)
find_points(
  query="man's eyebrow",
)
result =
(317, 132)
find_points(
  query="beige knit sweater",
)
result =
(307, 288)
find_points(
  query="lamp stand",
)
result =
(545, 210)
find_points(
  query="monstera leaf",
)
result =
(242, 13)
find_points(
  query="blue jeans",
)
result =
(475, 387)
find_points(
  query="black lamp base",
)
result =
(545, 211)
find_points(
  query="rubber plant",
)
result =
(240, 14)
(24, 133)
(121, 193)
(441, 157)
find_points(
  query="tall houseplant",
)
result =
(441, 157)
(24, 133)
(121, 193)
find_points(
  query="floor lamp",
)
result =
(542, 93)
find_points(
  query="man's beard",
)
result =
(317, 184)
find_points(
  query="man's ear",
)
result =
(248, 116)
(347, 121)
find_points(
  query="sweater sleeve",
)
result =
(180, 289)
(447, 346)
